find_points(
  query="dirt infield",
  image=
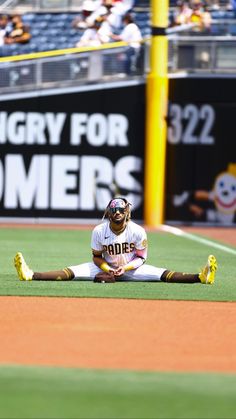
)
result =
(118, 334)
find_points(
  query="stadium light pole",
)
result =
(156, 113)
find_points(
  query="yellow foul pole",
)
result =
(156, 112)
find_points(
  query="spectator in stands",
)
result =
(4, 24)
(107, 25)
(200, 16)
(181, 14)
(95, 35)
(124, 5)
(91, 9)
(116, 12)
(83, 21)
(114, 15)
(132, 35)
(19, 32)
(120, 8)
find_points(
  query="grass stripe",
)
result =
(49, 393)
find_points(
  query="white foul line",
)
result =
(179, 232)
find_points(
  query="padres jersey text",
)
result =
(119, 249)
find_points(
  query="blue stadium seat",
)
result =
(46, 17)
(143, 3)
(8, 50)
(232, 29)
(35, 32)
(40, 24)
(65, 45)
(219, 14)
(146, 32)
(47, 46)
(60, 24)
(71, 44)
(55, 17)
(41, 40)
(28, 18)
(51, 32)
(27, 49)
(62, 39)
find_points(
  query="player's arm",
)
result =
(138, 260)
(99, 261)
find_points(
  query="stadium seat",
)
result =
(40, 24)
(27, 49)
(60, 24)
(35, 32)
(8, 50)
(47, 46)
(51, 32)
(232, 29)
(28, 18)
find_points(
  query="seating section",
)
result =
(53, 31)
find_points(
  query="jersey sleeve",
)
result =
(95, 240)
(141, 239)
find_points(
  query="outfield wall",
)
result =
(65, 152)
(201, 162)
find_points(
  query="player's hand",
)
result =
(119, 271)
(112, 271)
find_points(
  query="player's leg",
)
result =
(206, 276)
(152, 273)
(25, 273)
(144, 273)
(85, 271)
(181, 277)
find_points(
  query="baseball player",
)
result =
(119, 249)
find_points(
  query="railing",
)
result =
(202, 53)
(67, 68)
(40, 5)
(79, 66)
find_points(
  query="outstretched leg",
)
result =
(26, 274)
(206, 276)
(83, 271)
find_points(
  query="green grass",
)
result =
(53, 249)
(74, 393)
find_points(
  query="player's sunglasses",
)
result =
(115, 209)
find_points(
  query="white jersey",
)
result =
(131, 34)
(118, 250)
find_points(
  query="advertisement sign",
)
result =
(201, 151)
(65, 155)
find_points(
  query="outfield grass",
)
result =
(33, 392)
(53, 249)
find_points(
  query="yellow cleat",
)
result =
(207, 274)
(23, 271)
